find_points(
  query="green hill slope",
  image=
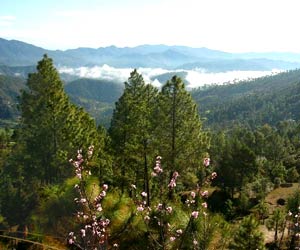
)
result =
(264, 100)
(97, 97)
(9, 91)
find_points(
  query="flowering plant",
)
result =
(93, 234)
(158, 219)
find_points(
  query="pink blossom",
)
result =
(159, 206)
(144, 194)
(99, 207)
(172, 238)
(82, 232)
(195, 214)
(204, 193)
(172, 183)
(158, 169)
(90, 151)
(213, 175)
(193, 194)
(175, 175)
(71, 241)
(158, 157)
(79, 156)
(204, 204)
(140, 208)
(105, 187)
(169, 209)
(206, 162)
(83, 200)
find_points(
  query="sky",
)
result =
(227, 25)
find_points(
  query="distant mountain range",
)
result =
(16, 54)
(257, 101)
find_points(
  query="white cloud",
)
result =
(196, 78)
(99, 72)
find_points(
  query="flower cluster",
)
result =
(172, 183)
(213, 175)
(93, 233)
(293, 224)
(78, 164)
(197, 205)
(159, 215)
(157, 169)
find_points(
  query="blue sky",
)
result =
(228, 25)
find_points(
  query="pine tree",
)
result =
(237, 164)
(44, 110)
(131, 132)
(247, 236)
(51, 129)
(180, 138)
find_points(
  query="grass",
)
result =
(281, 192)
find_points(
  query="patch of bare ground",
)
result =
(281, 193)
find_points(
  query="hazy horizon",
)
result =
(232, 26)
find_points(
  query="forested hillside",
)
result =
(9, 91)
(97, 97)
(162, 176)
(269, 99)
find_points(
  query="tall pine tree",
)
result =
(131, 132)
(180, 138)
(51, 130)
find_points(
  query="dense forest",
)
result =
(214, 168)
(265, 100)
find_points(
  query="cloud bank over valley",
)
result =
(193, 78)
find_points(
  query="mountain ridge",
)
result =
(18, 53)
